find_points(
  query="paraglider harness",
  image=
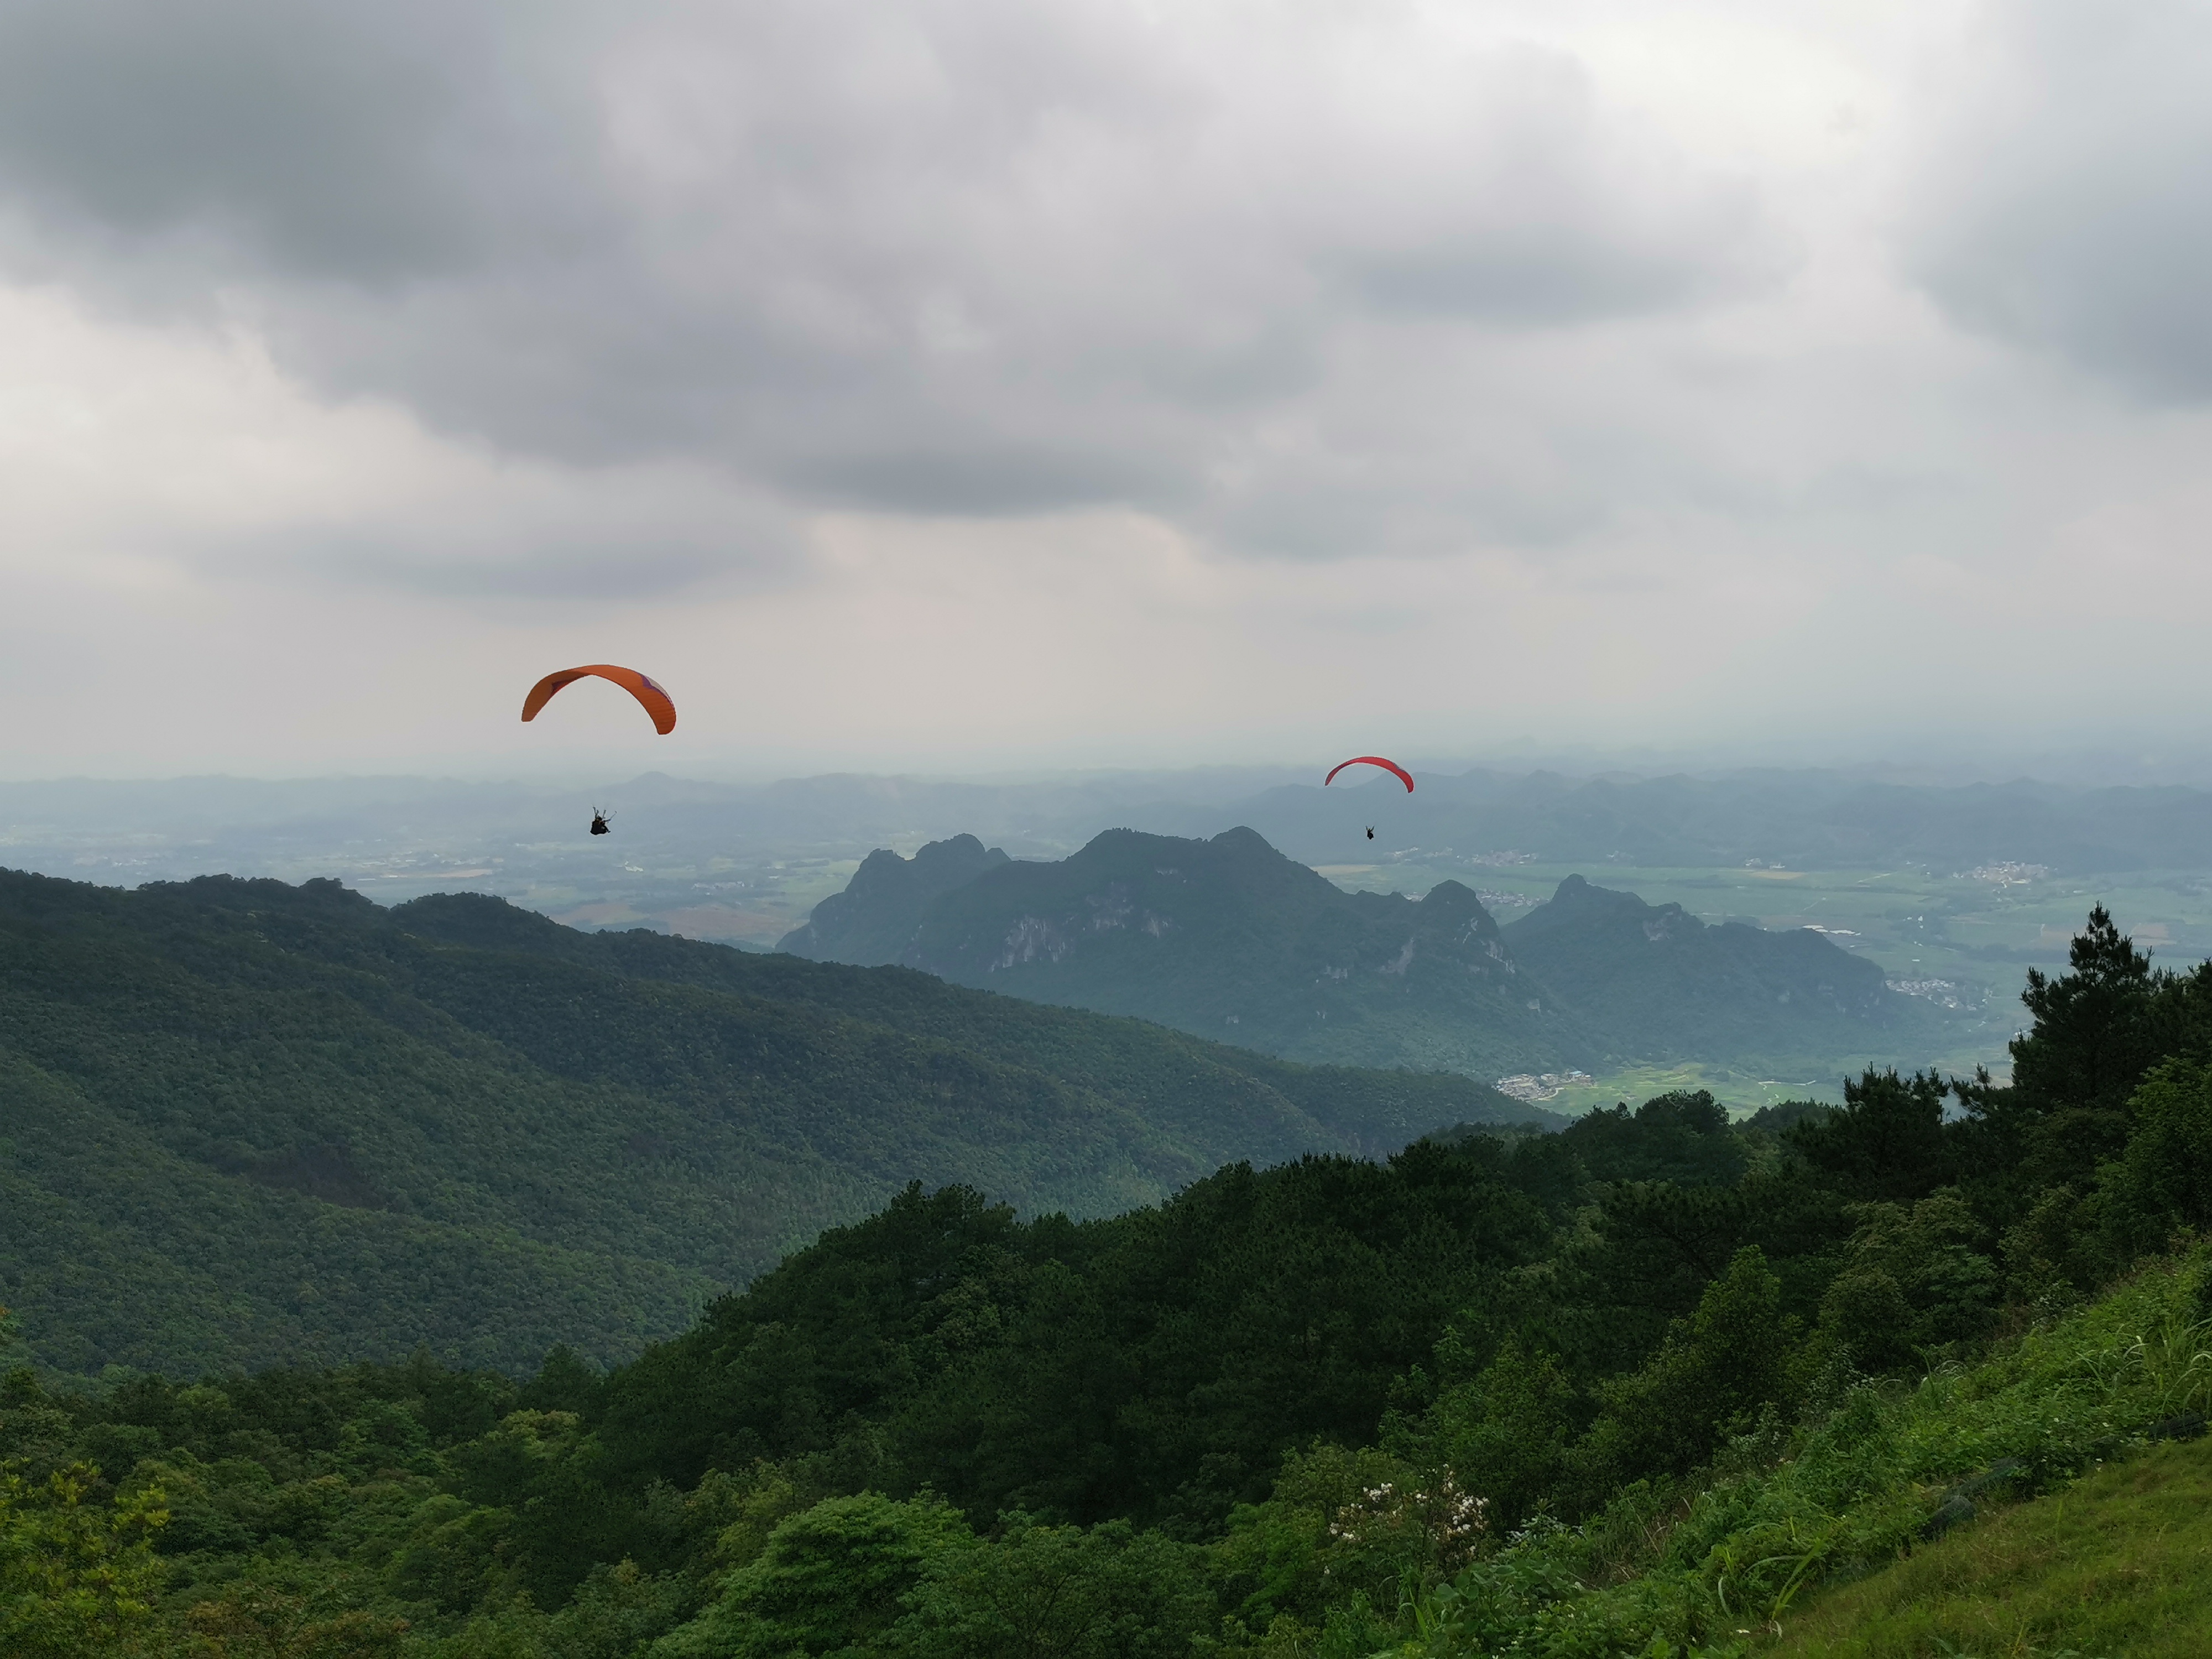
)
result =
(599, 826)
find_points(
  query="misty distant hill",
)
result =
(1230, 939)
(874, 919)
(1661, 984)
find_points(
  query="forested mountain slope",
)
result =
(1227, 938)
(1657, 1385)
(247, 1123)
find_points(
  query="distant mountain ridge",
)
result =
(1228, 938)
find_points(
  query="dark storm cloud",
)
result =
(993, 256)
(2068, 207)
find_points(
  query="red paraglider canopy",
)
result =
(1389, 766)
(655, 702)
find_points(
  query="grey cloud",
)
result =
(2067, 208)
(622, 566)
(1000, 255)
(312, 139)
(539, 536)
(980, 480)
(1542, 211)
(1380, 495)
(603, 573)
(1537, 274)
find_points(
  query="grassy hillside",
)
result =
(2118, 1563)
(243, 1123)
(1847, 1534)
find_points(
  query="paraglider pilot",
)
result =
(599, 822)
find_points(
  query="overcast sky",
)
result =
(983, 384)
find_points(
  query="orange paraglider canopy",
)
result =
(655, 702)
(1390, 766)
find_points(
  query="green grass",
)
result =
(2119, 1564)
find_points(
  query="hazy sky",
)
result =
(992, 383)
